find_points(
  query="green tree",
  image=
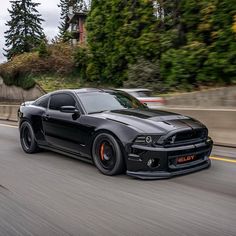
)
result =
(203, 51)
(144, 73)
(64, 7)
(119, 32)
(25, 31)
(179, 44)
(43, 49)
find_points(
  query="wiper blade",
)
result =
(97, 112)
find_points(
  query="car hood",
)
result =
(151, 121)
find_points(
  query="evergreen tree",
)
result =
(25, 31)
(180, 43)
(64, 6)
(119, 32)
(205, 52)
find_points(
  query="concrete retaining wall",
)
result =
(16, 94)
(220, 122)
(219, 97)
(9, 112)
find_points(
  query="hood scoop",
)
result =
(167, 119)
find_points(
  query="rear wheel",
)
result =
(27, 138)
(107, 155)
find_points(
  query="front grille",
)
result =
(201, 154)
(187, 137)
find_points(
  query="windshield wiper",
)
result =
(97, 112)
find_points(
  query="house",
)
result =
(76, 24)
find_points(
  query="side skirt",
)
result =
(70, 154)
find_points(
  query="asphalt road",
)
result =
(49, 194)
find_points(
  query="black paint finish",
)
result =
(173, 135)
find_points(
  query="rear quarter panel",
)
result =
(33, 115)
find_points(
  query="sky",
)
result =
(49, 11)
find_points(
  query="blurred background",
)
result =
(178, 55)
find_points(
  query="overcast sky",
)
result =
(50, 13)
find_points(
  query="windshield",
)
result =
(106, 101)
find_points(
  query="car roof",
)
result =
(136, 90)
(87, 90)
(82, 90)
(91, 90)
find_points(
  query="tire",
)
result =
(107, 155)
(27, 138)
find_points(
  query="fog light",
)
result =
(153, 162)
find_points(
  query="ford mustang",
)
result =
(115, 132)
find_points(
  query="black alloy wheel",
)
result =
(107, 154)
(27, 138)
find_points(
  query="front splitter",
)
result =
(152, 175)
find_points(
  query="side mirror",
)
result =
(69, 109)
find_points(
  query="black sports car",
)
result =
(116, 132)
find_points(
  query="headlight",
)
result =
(146, 139)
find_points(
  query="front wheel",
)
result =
(107, 155)
(27, 138)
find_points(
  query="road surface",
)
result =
(49, 194)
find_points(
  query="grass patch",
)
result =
(52, 82)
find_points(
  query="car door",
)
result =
(63, 130)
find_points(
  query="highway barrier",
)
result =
(9, 112)
(220, 122)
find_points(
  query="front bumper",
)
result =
(139, 156)
(164, 174)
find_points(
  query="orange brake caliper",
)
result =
(102, 152)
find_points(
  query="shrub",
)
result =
(145, 74)
(61, 61)
(81, 59)
(181, 67)
(54, 59)
(17, 71)
(43, 50)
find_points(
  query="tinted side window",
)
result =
(42, 102)
(143, 94)
(59, 100)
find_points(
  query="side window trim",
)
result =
(69, 94)
(48, 103)
(41, 99)
(49, 100)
